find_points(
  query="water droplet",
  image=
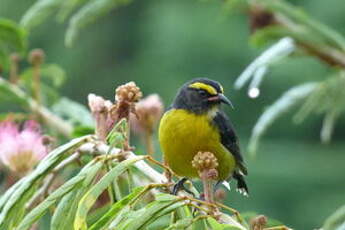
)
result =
(253, 92)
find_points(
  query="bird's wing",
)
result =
(229, 139)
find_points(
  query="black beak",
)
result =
(225, 100)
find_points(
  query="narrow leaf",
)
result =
(39, 12)
(41, 170)
(285, 102)
(74, 112)
(106, 219)
(88, 14)
(88, 200)
(151, 212)
(91, 169)
(336, 221)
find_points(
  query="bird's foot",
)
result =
(180, 185)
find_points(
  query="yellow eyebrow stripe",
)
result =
(221, 89)
(199, 85)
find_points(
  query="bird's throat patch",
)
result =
(208, 88)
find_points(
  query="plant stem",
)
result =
(14, 68)
(47, 116)
(148, 138)
(36, 83)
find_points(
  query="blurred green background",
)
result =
(161, 44)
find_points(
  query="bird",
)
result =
(196, 122)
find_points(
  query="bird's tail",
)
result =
(241, 184)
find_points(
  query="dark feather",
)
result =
(230, 141)
(241, 183)
(229, 138)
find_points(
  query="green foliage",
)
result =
(114, 210)
(12, 39)
(217, 226)
(67, 200)
(73, 112)
(336, 221)
(52, 78)
(24, 191)
(88, 14)
(308, 37)
(71, 203)
(89, 171)
(39, 12)
(327, 99)
(283, 104)
(118, 134)
(89, 11)
(309, 27)
(8, 93)
(92, 195)
(67, 8)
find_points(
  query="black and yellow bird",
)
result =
(195, 122)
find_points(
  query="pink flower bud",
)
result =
(100, 109)
(149, 110)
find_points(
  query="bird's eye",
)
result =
(202, 93)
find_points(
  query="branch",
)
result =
(328, 54)
(102, 148)
(48, 117)
(329, 48)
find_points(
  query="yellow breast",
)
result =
(183, 134)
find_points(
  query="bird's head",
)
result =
(200, 95)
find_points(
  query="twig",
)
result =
(329, 55)
(158, 179)
(150, 158)
(47, 116)
(281, 227)
(148, 171)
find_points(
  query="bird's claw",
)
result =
(180, 186)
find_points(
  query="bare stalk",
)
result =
(15, 58)
(148, 138)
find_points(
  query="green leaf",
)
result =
(48, 163)
(89, 170)
(39, 12)
(141, 218)
(336, 221)
(79, 131)
(12, 39)
(65, 212)
(290, 98)
(9, 192)
(316, 28)
(51, 74)
(217, 226)
(4, 60)
(273, 33)
(52, 77)
(7, 94)
(91, 196)
(108, 217)
(67, 7)
(117, 135)
(15, 116)
(73, 112)
(181, 224)
(62, 217)
(88, 14)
